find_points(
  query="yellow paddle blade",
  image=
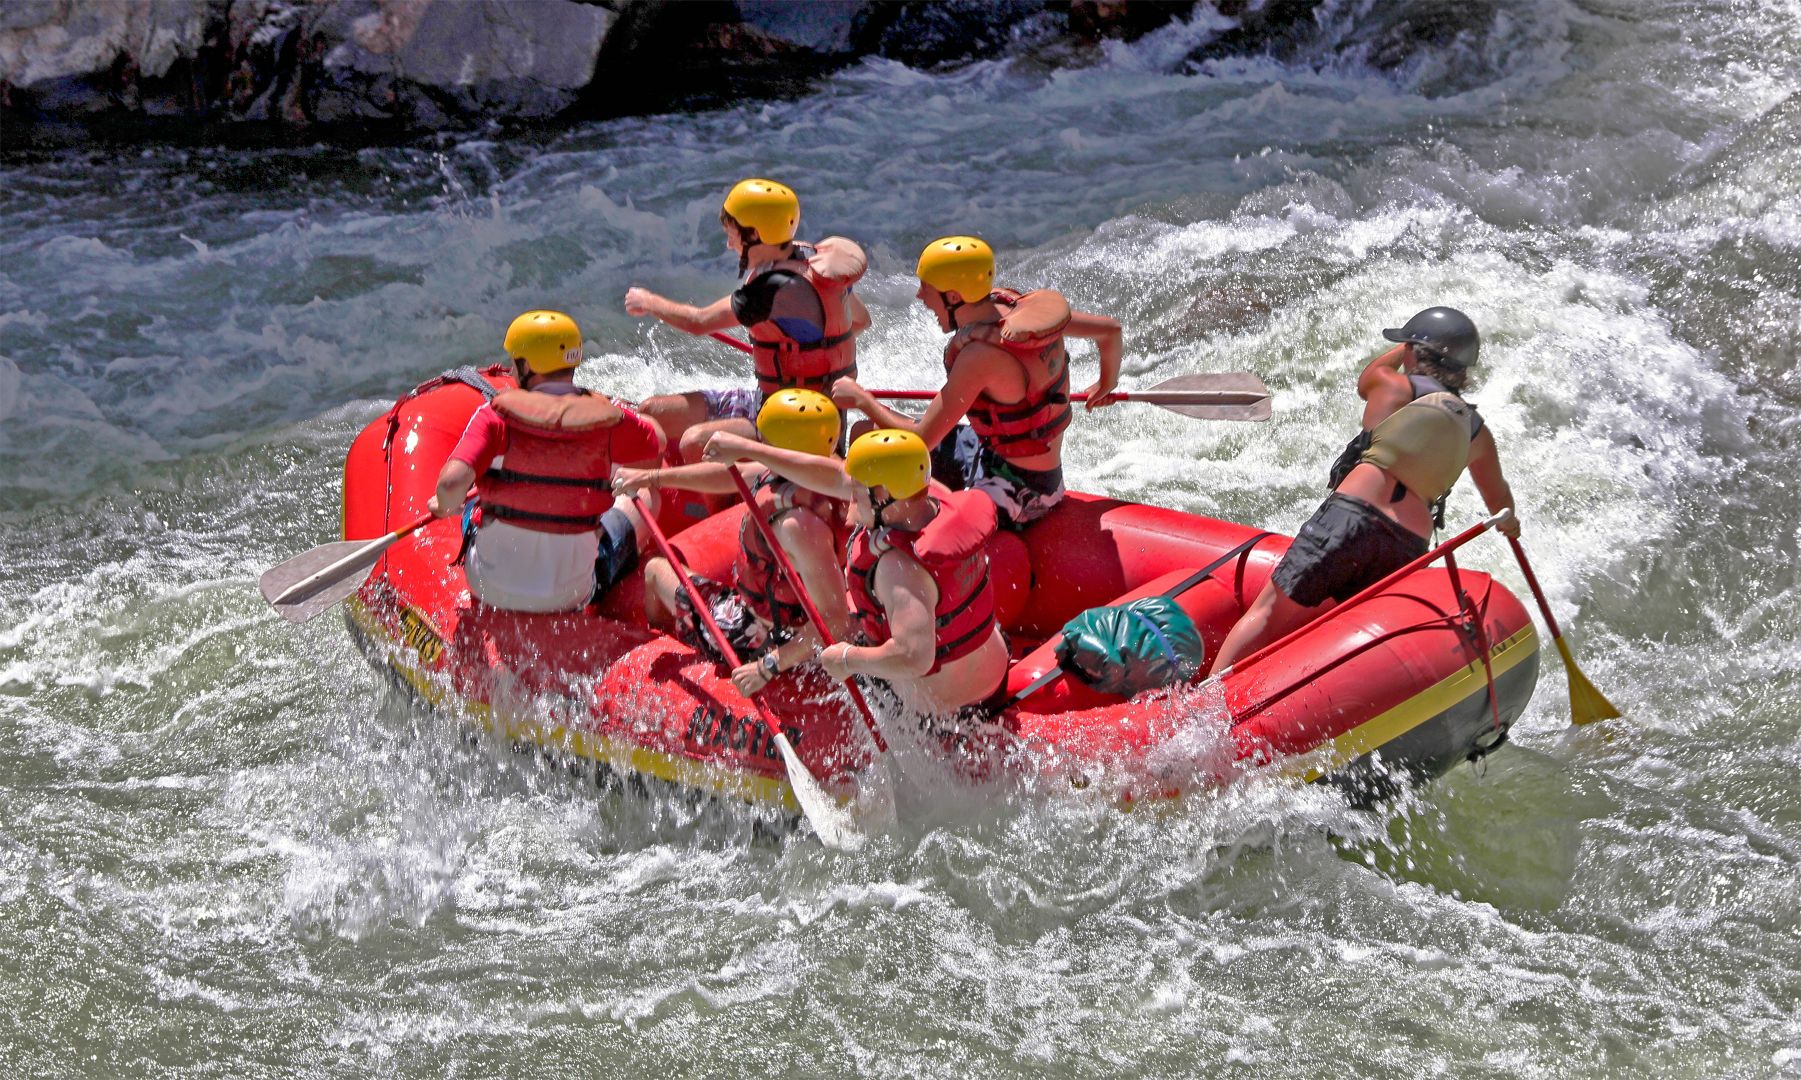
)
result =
(1586, 703)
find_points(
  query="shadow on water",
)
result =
(1507, 832)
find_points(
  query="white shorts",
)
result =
(526, 570)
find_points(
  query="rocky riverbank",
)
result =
(319, 67)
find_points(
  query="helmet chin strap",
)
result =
(881, 507)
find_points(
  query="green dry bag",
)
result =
(1130, 648)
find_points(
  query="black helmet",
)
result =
(1446, 331)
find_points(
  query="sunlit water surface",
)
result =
(227, 850)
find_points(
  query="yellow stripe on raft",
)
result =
(1377, 732)
(770, 791)
(615, 753)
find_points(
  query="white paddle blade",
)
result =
(314, 580)
(1222, 395)
(835, 825)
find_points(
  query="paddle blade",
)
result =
(1220, 395)
(835, 826)
(296, 599)
(1587, 704)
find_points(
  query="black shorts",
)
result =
(747, 634)
(617, 555)
(1345, 547)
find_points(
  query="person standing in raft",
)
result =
(543, 533)
(1007, 370)
(920, 597)
(759, 611)
(1379, 516)
(794, 299)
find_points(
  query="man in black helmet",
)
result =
(1390, 483)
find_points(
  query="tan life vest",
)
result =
(1424, 444)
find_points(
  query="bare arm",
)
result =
(859, 315)
(685, 317)
(1384, 370)
(982, 368)
(908, 596)
(1386, 393)
(707, 477)
(808, 542)
(1109, 340)
(811, 471)
(1485, 470)
(454, 481)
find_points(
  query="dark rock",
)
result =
(1092, 20)
(452, 58)
(927, 32)
(822, 26)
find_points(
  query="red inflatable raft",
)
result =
(1394, 688)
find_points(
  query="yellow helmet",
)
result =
(766, 206)
(546, 340)
(803, 420)
(960, 264)
(896, 460)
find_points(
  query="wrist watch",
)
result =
(771, 663)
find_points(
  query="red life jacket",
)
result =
(1031, 331)
(556, 473)
(831, 267)
(950, 548)
(761, 583)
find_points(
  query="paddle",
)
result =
(1587, 704)
(832, 823)
(1224, 395)
(806, 602)
(314, 580)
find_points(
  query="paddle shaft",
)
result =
(1148, 397)
(1544, 606)
(806, 600)
(1448, 546)
(702, 610)
(376, 546)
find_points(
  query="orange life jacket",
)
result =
(831, 267)
(556, 474)
(950, 548)
(761, 583)
(1030, 330)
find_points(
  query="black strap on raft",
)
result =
(467, 375)
(1473, 628)
(1171, 593)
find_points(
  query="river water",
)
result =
(227, 850)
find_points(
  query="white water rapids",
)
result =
(227, 850)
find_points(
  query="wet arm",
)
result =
(1485, 470)
(973, 375)
(811, 471)
(688, 318)
(907, 595)
(707, 478)
(808, 542)
(454, 481)
(1384, 370)
(1109, 340)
